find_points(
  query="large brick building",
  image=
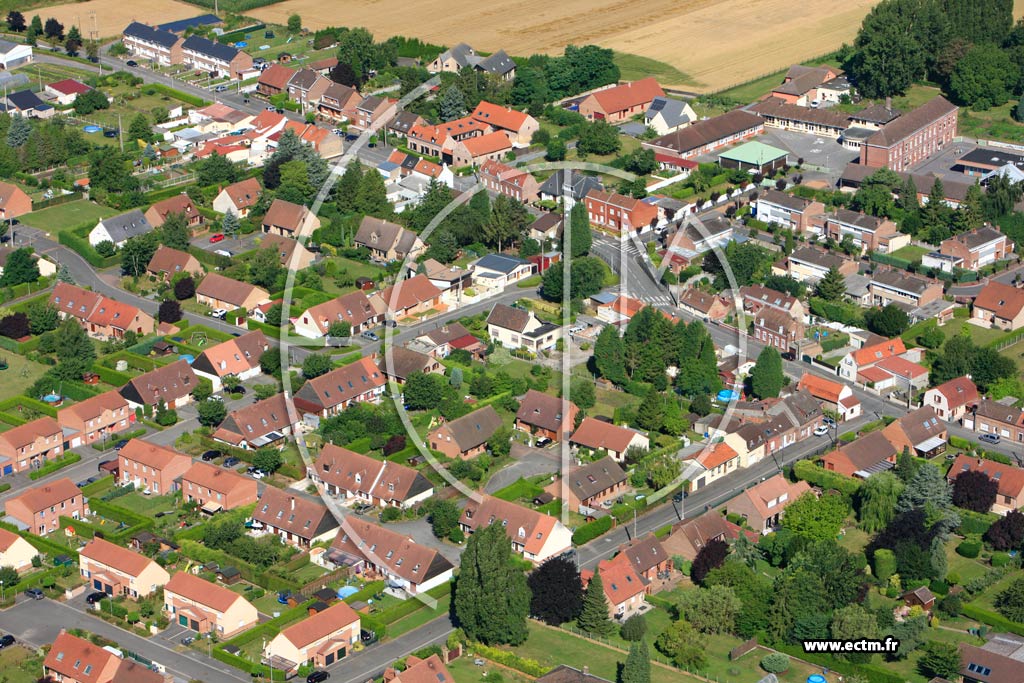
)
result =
(907, 140)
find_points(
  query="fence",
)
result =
(177, 180)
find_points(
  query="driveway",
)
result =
(419, 530)
(534, 461)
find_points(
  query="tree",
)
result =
(90, 101)
(557, 593)
(423, 391)
(163, 415)
(599, 137)
(185, 288)
(885, 565)
(640, 161)
(940, 660)
(586, 277)
(452, 104)
(229, 225)
(877, 499)
(491, 600)
(593, 616)
(14, 326)
(170, 312)
(555, 150)
(139, 128)
(928, 491)
(832, 287)
(683, 644)
(637, 667)
(75, 352)
(650, 415)
(294, 23)
(507, 223)
(712, 555)
(984, 78)
(710, 610)
(1010, 602)
(15, 21)
(372, 198)
(8, 576)
(815, 518)
(19, 131)
(767, 378)
(216, 170)
(20, 267)
(265, 268)
(932, 337)
(342, 73)
(974, 490)
(53, 30)
(316, 364)
(42, 317)
(270, 362)
(1018, 111)
(582, 393)
(267, 460)
(175, 232)
(340, 328)
(500, 443)
(73, 43)
(443, 516)
(890, 321)
(609, 355)
(579, 230)
(211, 412)
(634, 628)
(1007, 532)
(136, 254)
(851, 622)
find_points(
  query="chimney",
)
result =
(586, 670)
(292, 501)
(888, 103)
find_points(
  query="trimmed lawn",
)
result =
(523, 488)
(19, 665)
(853, 539)
(464, 671)
(964, 566)
(911, 252)
(145, 505)
(634, 67)
(64, 216)
(419, 617)
(21, 373)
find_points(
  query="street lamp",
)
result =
(2, 595)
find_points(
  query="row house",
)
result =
(77, 660)
(625, 590)
(205, 55)
(620, 213)
(999, 305)
(810, 264)
(216, 488)
(1010, 479)
(836, 397)
(600, 436)
(978, 248)
(891, 286)
(440, 140)
(709, 135)
(350, 475)
(544, 415)
(951, 400)
(534, 535)
(511, 182)
(868, 233)
(154, 44)
(584, 488)
(173, 384)
(415, 297)
(354, 308)
(621, 102)
(704, 305)
(329, 394)
(31, 445)
(403, 122)
(777, 329)
(117, 571)
(465, 437)
(789, 211)
(715, 462)
(317, 641)
(811, 121)
(757, 298)
(102, 317)
(95, 419)
(38, 510)
(371, 113)
(909, 139)
(336, 100)
(168, 262)
(762, 506)
(307, 87)
(205, 607)
(478, 150)
(274, 80)
(298, 521)
(992, 417)
(266, 423)
(518, 126)
(238, 356)
(151, 468)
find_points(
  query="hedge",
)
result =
(819, 476)
(251, 573)
(994, 620)
(872, 673)
(54, 465)
(110, 376)
(591, 530)
(530, 667)
(367, 592)
(120, 514)
(40, 406)
(178, 94)
(97, 486)
(80, 245)
(41, 544)
(975, 522)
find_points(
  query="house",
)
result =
(407, 298)
(568, 187)
(440, 140)
(297, 520)
(707, 136)
(835, 397)
(805, 85)
(789, 211)
(534, 535)
(703, 305)
(854, 362)
(274, 80)
(329, 394)
(465, 437)
(498, 271)
(151, 468)
(454, 60)
(337, 101)
(429, 670)
(238, 356)
(775, 328)
(567, 674)
(392, 556)
(690, 536)
(264, 423)
(15, 551)
(621, 102)
(403, 122)
(319, 640)
(388, 241)
(347, 474)
(116, 571)
(620, 310)
(992, 417)
(13, 201)
(624, 589)
(757, 298)
(99, 316)
(120, 228)
(666, 115)
(353, 308)
(497, 64)
(38, 510)
(181, 204)
(1000, 306)
(584, 487)
(997, 661)
(239, 198)
(399, 363)
(438, 341)
(292, 253)
(205, 607)
(619, 213)
(511, 182)
(909, 139)
(1010, 495)
(168, 262)
(65, 92)
(154, 44)
(518, 126)
(819, 122)
(31, 445)
(217, 291)
(216, 488)
(205, 55)
(28, 104)
(306, 87)
(951, 400)
(762, 505)
(76, 660)
(892, 286)
(648, 556)
(515, 328)
(867, 455)
(810, 264)
(868, 233)
(371, 111)
(921, 431)
(545, 415)
(716, 461)
(978, 248)
(476, 150)
(289, 220)
(95, 419)
(548, 226)
(598, 435)
(919, 597)
(173, 384)
(14, 54)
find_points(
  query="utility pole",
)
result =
(120, 132)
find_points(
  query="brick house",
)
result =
(1000, 306)
(39, 509)
(511, 182)
(867, 455)
(810, 264)
(289, 220)
(907, 140)
(978, 248)
(704, 137)
(217, 291)
(266, 423)
(534, 535)
(648, 556)
(869, 233)
(689, 537)
(306, 87)
(151, 467)
(545, 415)
(205, 607)
(370, 111)
(31, 445)
(13, 201)
(621, 102)
(95, 418)
(476, 150)
(215, 488)
(274, 79)
(440, 140)
(763, 505)
(518, 126)
(892, 286)
(298, 521)
(350, 475)
(173, 384)
(583, 488)
(168, 262)
(355, 308)
(990, 417)
(239, 198)
(775, 328)
(330, 394)
(146, 42)
(181, 204)
(619, 212)
(951, 400)
(1010, 495)
(787, 210)
(408, 298)
(465, 437)
(205, 55)
(99, 316)
(703, 305)
(801, 84)
(319, 640)
(598, 435)
(624, 589)
(336, 100)
(114, 570)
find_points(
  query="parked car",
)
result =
(110, 133)
(211, 455)
(93, 598)
(120, 444)
(6, 641)
(219, 313)
(317, 677)
(132, 63)
(828, 421)
(34, 594)
(231, 461)
(258, 474)
(678, 498)
(216, 237)
(789, 355)
(220, 88)
(821, 430)
(223, 252)
(989, 438)
(270, 107)
(362, 508)
(367, 636)
(542, 441)
(371, 336)
(188, 640)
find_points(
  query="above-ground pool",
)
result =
(346, 591)
(91, 129)
(187, 357)
(53, 399)
(727, 395)
(816, 678)
(241, 44)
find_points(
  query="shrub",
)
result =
(970, 548)
(634, 628)
(938, 587)
(775, 663)
(591, 530)
(390, 514)
(1000, 559)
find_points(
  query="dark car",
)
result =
(94, 60)
(132, 63)
(110, 133)
(188, 640)
(238, 390)
(93, 598)
(82, 484)
(541, 442)
(120, 444)
(231, 461)
(678, 498)
(6, 641)
(210, 455)
(34, 593)
(789, 355)
(367, 636)
(317, 677)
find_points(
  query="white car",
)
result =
(258, 474)
(820, 430)
(219, 313)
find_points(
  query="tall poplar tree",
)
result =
(492, 599)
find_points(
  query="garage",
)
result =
(12, 54)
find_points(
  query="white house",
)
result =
(515, 328)
(666, 115)
(497, 271)
(119, 229)
(12, 54)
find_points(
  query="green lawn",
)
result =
(911, 252)
(464, 671)
(964, 566)
(752, 91)
(634, 67)
(419, 617)
(521, 489)
(21, 373)
(63, 216)
(19, 665)
(146, 505)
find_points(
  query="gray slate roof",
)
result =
(499, 64)
(581, 185)
(127, 225)
(500, 263)
(673, 111)
(203, 46)
(151, 35)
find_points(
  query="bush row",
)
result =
(818, 476)
(996, 621)
(591, 530)
(60, 463)
(530, 667)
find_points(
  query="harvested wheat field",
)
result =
(717, 43)
(111, 16)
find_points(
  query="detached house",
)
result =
(388, 241)
(778, 329)
(585, 487)
(762, 506)
(534, 535)
(239, 198)
(319, 640)
(515, 328)
(1010, 479)
(465, 437)
(407, 298)
(598, 435)
(31, 445)
(978, 248)
(810, 264)
(167, 262)
(38, 510)
(624, 589)
(855, 362)
(151, 468)
(870, 454)
(180, 204)
(205, 607)
(353, 308)
(809, 85)
(173, 384)
(621, 102)
(892, 286)
(867, 232)
(666, 115)
(1000, 306)
(15, 551)
(94, 419)
(690, 536)
(118, 571)
(121, 228)
(13, 201)
(648, 556)
(265, 423)
(217, 291)
(298, 521)
(216, 488)
(289, 220)
(348, 474)
(238, 356)
(292, 254)
(330, 394)
(703, 305)
(545, 415)
(498, 271)
(951, 400)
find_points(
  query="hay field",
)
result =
(113, 15)
(717, 43)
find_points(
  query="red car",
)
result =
(219, 237)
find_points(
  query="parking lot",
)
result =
(235, 245)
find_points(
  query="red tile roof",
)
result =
(114, 556)
(1009, 478)
(69, 86)
(1004, 301)
(598, 434)
(628, 95)
(500, 117)
(960, 391)
(487, 144)
(821, 388)
(48, 495)
(872, 354)
(321, 625)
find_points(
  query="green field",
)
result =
(634, 67)
(53, 219)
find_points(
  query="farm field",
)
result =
(111, 16)
(714, 42)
